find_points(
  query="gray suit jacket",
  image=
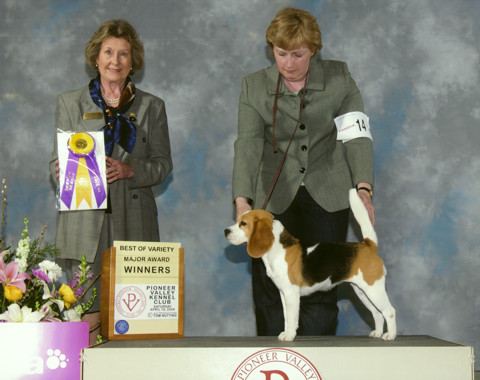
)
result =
(327, 167)
(134, 210)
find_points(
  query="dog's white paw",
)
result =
(287, 336)
(389, 336)
(375, 334)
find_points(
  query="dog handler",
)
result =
(303, 142)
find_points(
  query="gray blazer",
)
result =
(327, 167)
(134, 210)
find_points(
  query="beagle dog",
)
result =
(299, 271)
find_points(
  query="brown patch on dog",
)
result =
(260, 235)
(293, 257)
(368, 261)
(287, 240)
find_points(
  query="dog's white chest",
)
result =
(276, 269)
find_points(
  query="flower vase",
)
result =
(42, 350)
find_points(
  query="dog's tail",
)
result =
(361, 216)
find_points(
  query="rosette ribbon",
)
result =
(82, 173)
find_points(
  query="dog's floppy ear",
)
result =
(261, 238)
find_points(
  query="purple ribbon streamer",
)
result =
(71, 175)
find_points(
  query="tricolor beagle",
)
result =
(299, 271)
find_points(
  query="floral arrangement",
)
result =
(29, 278)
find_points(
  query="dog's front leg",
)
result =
(291, 310)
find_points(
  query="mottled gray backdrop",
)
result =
(417, 65)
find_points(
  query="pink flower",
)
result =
(78, 291)
(10, 277)
(38, 273)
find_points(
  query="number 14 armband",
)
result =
(352, 125)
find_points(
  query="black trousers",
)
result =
(308, 222)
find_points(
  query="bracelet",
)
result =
(370, 192)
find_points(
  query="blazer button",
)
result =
(135, 196)
(302, 127)
(302, 170)
(304, 148)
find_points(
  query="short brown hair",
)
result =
(118, 29)
(294, 28)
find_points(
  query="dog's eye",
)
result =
(242, 223)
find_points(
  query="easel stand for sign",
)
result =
(142, 291)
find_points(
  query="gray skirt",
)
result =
(70, 266)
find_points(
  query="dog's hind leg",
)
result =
(377, 316)
(377, 296)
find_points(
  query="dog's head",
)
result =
(254, 228)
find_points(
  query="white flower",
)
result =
(46, 291)
(47, 295)
(51, 269)
(23, 246)
(49, 312)
(22, 264)
(3, 254)
(21, 255)
(79, 309)
(15, 314)
(72, 315)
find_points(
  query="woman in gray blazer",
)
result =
(288, 111)
(137, 147)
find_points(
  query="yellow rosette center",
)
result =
(81, 143)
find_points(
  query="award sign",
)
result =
(142, 291)
(81, 162)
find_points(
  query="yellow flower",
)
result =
(12, 293)
(67, 294)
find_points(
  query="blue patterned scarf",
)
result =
(119, 128)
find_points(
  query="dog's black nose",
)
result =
(226, 231)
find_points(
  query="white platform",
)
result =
(333, 358)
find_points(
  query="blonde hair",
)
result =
(118, 29)
(293, 28)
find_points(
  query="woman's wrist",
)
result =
(241, 201)
(365, 187)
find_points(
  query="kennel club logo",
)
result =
(130, 302)
(276, 364)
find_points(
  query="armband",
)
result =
(352, 125)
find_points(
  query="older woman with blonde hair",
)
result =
(295, 158)
(137, 148)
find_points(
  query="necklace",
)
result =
(112, 101)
